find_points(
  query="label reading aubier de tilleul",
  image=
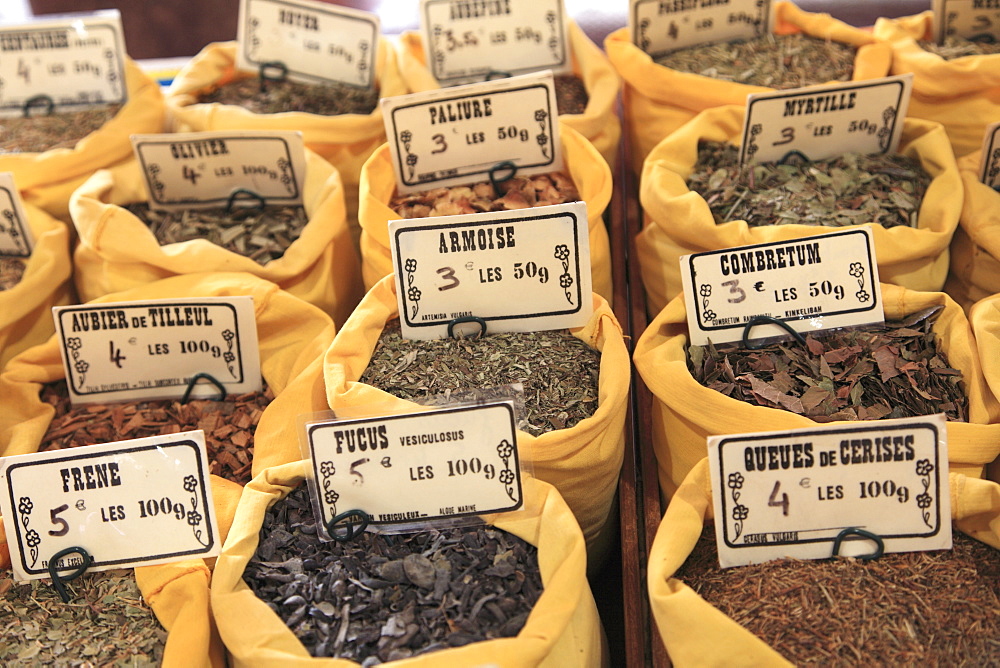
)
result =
(120, 351)
(660, 26)
(15, 234)
(823, 122)
(457, 136)
(317, 42)
(815, 283)
(76, 60)
(990, 166)
(127, 503)
(186, 170)
(789, 494)
(520, 271)
(968, 19)
(468, 40)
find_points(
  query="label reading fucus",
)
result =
(315, 41)
(15, 235)
(120, 351)
(419, 467)
(128, 503)
(187, 170)
(520, 271)
(990, 170)
(660, 26)
(456, 136)
(471, 40)
(977, 20)
(815, 283)
(823, 122)
(70, 62)
(791, 493)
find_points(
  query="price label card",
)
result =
(418, 467)
(120, 351)
(821, 282)
(72, 61)
(468, 40)
(822, 122)
(791, 493)
(520, 271)
(977, 20)
(457, 136)
(317, 42)
(15, 235)
(187, 170)
(990, 170)
(660, 26)
(128, 503)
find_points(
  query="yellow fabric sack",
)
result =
(599, 121)
(974, 273)
(685, 413)
(563, 629)
(695, 632)
(26, 308)
(962, 94)
(118, 251)
(984, 316)
(47, 179)
(656, 100)
(678, 221)
(583, 165)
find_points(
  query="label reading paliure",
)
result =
(119, 351)
(315, 41)
(520, 271)
(977, 20)
(128, 503)
(471, 40)
(15, 234)
(790, 494)
(188, 170)
(456, 136)
(990, 166)
(823, 122)
(660, 26)
(70, 62)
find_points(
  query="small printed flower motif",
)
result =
(740, 512)
(561, 252)
(542, 139)
(857, 271)
(228, 356)
(330, 497)
(74, 343)
(190, 483)
(924, 467)
(705, 290)
(924, 500)
(405, 136)
(565, 281)
(411, 159)
(327, 469)
(506, 476)
(410, 265)
(710, 315)
(505, 449)
(194, 518)
(81, 366)
(550, 17)
(553, 42)
(541, 115)
(862, 295)
(32, 538)
(736, 481)
(24, 506)
(228, 335)
(413, 293)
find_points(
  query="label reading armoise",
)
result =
(456, 136)
(790, 494)
(418, 467)
(990, 170)
(969, 19)
(70, 61)
(15, 235)
(661, 26)
(814, 283)
(209, 169)
(468, 40)
(128, 504)
(120, 351)
(823, 122)
(315, 41)
(524, 270)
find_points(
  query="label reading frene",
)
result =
(660, 26)
(974, 20)
(15, 234)
(990, 166)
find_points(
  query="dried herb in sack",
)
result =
(958, 47)
(39, 133)
(328, 99)
(11, 272)
(571, 94)
(519, 192)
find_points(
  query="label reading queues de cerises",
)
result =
(469, 40)
(520, 271)
(457, 136)
(969, 19)
(791, 493)
(660, 26)
(823, 122)
(815, 283)
(15, 235)
(119, 351)
(70, 62)
(315, 42)
(418, 467)
(990, 169)
(188, 170)
(128, 504)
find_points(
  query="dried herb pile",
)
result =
(59, 130)
(11, 272)
(391, 596)
(571, 94)
(519, 192)
(106, 623)
(958, 47)
(229, 425)
(852, 189)
(863, 374)
(328, 99)
(939, 608)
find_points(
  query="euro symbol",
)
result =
(804, 483)
(759, 286)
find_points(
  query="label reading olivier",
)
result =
(977, 20)
(317, 42)
(823, 122)
(15, 234)
(119, 351)
(660, 26)
(520, 271)
(990, 170)
(789, 494)
(187, 170)
(128, 503)
(457, 136)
